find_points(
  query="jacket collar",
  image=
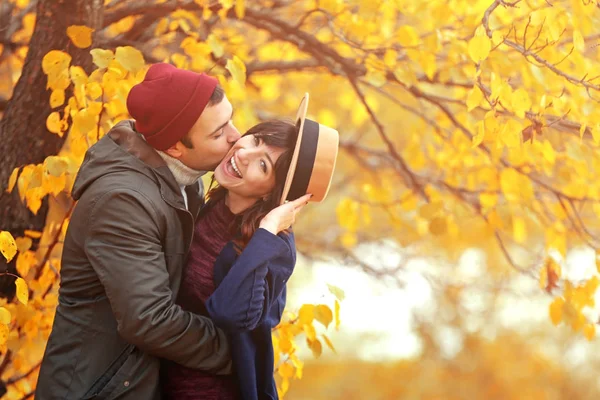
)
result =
(131, 141)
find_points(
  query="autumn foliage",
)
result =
(464, 125)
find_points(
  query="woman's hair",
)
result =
(279, 134)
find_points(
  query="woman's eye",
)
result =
(219, 134)
(263, 165)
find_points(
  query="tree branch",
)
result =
(527, 53)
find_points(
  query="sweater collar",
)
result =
(183, 174)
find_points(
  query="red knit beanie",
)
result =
(168, 102)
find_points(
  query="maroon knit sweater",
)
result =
(211, 234)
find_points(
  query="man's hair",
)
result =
(216, 98)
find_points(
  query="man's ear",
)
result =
(176, 150)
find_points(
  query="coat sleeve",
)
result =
(124, 248)
(254, 288)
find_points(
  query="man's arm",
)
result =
(124, 248)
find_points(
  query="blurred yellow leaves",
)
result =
(80, 35)
(237, 69)
(569, 307)
(287, 364)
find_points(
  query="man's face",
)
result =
(209, 140)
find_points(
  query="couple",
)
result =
(163, 296)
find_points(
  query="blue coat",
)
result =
(248, 303)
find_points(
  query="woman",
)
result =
(242, 256)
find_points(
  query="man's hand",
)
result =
(284, 216)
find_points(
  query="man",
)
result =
(138, 195)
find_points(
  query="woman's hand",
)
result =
(283, 217)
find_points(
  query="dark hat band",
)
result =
(306, 159)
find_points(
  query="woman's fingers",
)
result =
(301, 201)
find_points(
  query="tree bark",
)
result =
(24, 138)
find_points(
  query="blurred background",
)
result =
(456, 254)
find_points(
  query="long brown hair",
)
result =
(277, 133)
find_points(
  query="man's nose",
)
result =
(234, 134)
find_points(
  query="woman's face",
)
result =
(248, 170)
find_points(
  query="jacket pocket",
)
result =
(114, 377)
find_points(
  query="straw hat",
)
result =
(313, 161)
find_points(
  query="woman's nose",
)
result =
(243, 155)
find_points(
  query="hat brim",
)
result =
(300, 119)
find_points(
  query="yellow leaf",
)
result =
(78, 75)
(93, 90)
(578, 321)
(349, 239)
(23, 243)
(478, 138)
(543, 278)
(101, 57)
(55, 124)
(376, 78)
(237, 69)
(55, 165)
(474, 98)
(5, 316)
(12, 180)
(33, 234)
(286, 370)
(310, 332)
(328, 343)
(497, 38)
(323, 314)
(337, 292)
(306, 315)
(8, 247)
(286, 345)
(285, 386)
(596, 133)
(80, 35)
(407, 36)
(488, 200)
(519, 230)
(556, 310)
(55, 61)
(22, 291)
(479, 48)
(589, 330)
(390, 58)
(25, 261)
(578, 41)
(240, 9)
(337, 315)
(438, 226)
(521, 102)
(316, 347)
(216, 47)
(4, 332)
(57, 98)
(130, 58)
(511, 134)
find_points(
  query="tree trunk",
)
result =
(24, 138)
